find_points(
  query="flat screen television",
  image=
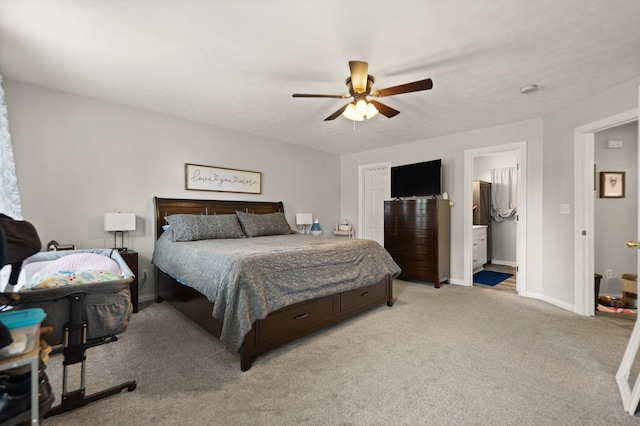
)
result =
(416, 180)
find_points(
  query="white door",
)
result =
(631, 395)
(376, 187)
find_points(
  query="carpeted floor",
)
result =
(449, 356)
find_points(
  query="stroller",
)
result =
(81, 316)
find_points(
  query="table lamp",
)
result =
(304, 219)
(119, 223)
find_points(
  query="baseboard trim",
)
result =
(503, 262)
(456, 281)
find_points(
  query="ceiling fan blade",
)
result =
(416, 86)
(359, 74)
(303, 95)
(336, 114)
(387, 111)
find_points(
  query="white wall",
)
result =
(558, 183)
(451, 150)
(615, 219)
(78, 158)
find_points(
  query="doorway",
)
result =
(494, 241)
(519, 150)
(584, 193)
(615, 221)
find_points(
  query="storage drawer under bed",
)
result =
(356, 298)
(295, 318)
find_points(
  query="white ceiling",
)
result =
(235, 64)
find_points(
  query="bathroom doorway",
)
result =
(513, 252)
(497, 251)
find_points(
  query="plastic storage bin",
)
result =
(24, 326)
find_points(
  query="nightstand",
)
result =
(131, 259)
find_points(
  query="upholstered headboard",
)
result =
(168, 206)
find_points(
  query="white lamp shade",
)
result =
(119, 221)
(350, 113)
(372, 111)
(361, 107)
(304, 218)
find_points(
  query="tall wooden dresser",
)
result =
(417, 234)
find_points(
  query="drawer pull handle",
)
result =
(301, 316)
(422, 252)
(366, 293)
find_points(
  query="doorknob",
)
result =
(632, 244)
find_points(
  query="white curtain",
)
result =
(504, 193)
(9, 195)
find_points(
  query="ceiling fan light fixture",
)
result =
(350, 113)
(372, 111)
(361, 107)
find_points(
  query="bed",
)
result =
(258, 292)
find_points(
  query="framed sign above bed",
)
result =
(220, 179)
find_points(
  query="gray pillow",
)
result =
(192, 227)
(260, 225)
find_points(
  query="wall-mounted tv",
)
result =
(416, 180)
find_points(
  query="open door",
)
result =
(631, 395)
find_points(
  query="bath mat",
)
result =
(490, 277)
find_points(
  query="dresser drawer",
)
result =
(421, 252)
(409, 236)
(416, 266)
(417, 221)
(479, 234)
(419, 274)
(359, 297)
(409, 208)
(295, 318)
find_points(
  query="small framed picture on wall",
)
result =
(612, 184)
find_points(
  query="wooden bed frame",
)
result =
(281, 326)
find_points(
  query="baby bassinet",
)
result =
(107, 305)
(82, 316)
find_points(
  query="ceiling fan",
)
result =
(360, 85)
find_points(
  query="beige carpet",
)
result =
(454, 355)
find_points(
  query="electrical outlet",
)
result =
(145, 274)
(608, 273)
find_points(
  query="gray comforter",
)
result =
(247, 278)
